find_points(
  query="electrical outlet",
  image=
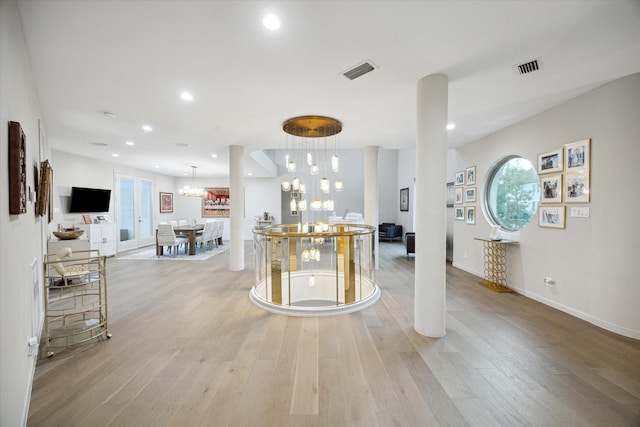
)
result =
(549, 281)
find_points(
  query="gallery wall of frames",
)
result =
(564, 179)
(465, 194)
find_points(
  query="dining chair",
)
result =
(167, 237)
(181, 223)
(206, 237)
(218, 234)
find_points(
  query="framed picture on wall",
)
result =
(551, 216)
(471, 214)
(551, 188)
(459, 213)
(577, 155)
(404, 199)
(216, 202)
(166, 202)
(471, 175)
(576, 187)
(550, 162)
(458, 196)
(459, 178)
(470, 195)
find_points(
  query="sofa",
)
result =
(389, 230)
(410, 243)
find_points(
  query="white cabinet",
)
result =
(102, 237)
(80, 244)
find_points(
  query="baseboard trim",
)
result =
(468, 270)
(611, 327)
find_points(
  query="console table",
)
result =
(495, 264)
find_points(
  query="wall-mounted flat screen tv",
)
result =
(89, 200)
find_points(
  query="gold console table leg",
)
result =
(495, 266)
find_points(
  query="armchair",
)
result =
(389, 230)
(410, 243)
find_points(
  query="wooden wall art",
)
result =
(17, 169)
(45, 191)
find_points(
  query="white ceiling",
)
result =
(133, 58)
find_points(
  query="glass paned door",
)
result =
(145, 212)
(135, 212)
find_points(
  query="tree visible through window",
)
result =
(512, 193)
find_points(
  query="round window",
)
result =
(512, 192)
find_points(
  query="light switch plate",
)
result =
(580, 212)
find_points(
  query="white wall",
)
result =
(594, 260)
(406, 176)
(22, 249)
(70, 170)
(261, 195)
(388, 194)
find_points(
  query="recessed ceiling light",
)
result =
(157, 166)
(186, 96)
(249, 173)
(115, 155)
(451, 126)
(147, 128)
(130, 143)
(271, 21)
(214, 155)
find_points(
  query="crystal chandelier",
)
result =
(310, 160)
(194, 191)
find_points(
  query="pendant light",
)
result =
(194, 191)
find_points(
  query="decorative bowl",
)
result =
(68, 235)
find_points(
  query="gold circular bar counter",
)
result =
(314, 270)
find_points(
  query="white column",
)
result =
(371, 193)
(236, 192)
(431, 164)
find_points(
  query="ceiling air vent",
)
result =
(359, 70)
(528, 67)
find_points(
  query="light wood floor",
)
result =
(189, 349)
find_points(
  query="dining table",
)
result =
(190, 230)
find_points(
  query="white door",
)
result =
(135, 212)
